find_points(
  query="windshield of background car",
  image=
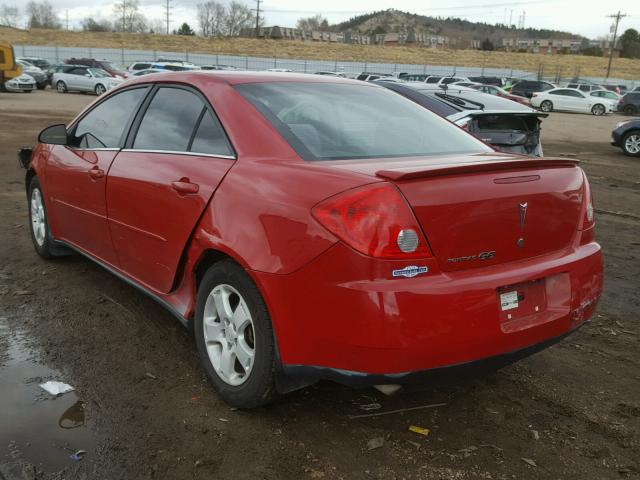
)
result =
(327, 121)
(113, 66)
(99, 73)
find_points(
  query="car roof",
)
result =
(232, 77)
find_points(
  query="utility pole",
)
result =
(257, 18)
(67, 18)
(618, 17)
(167, 11)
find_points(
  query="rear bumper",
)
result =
(344, 313)
(463, 370)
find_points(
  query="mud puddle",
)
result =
(39, 432)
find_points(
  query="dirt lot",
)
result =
(143, 409)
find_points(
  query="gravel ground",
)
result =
(142, 407)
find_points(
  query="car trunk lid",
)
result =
(489, 209)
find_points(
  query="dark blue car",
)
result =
(626, 135)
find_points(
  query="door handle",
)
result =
(96, 173)
(184, 186)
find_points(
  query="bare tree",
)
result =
(239, 16)
(211, 18)
(9, 16)
(127, 17)
(91, 25)
(317, 22)
(41, 15)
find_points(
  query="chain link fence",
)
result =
(126, 57)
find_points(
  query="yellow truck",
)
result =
(9, 69)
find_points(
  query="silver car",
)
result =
(84, 79)
(36, 73)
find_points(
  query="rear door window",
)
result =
(210, 138)
(169, 121)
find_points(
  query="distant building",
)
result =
(544, 45)
(410, 38)
(555, 46)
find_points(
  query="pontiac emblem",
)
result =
(523, 218)
(523, 213)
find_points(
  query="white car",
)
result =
(84, 79)
(22, 83)
(571, 100)
(137, 66)
(613, 97)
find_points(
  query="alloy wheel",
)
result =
(100, 89)
(632, 144)
(598, 110)
(229, 334)
(546, 106)
(38, 217)
(61, 87)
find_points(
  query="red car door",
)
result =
(77, 174)
(160, 184)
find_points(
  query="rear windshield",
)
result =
(327, 121)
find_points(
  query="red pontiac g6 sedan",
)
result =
(311, 227)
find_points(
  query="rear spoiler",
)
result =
(411, 173)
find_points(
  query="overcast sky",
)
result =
(585, 17)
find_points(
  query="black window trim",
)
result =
(142, 110)
(72, 128)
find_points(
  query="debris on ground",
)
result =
(419, 430)
(77, 455)
(530, 462)
(56, 388)
(388, 390)
(400, 410)
(370, 406)
(375, 443)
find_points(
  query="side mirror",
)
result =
(87, 74)
(54, 135)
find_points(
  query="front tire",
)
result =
(631, 143)
(100, 89)
(598, 110)
(61, 87)
(41, 236)
(235, 337)
(546, 106)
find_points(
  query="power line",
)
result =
(458, 7)
(618, 16)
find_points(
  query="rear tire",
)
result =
(630, 110)
(598, 109)
(42, 86)
(237, 346)
(100, 89)
(61, 87)
(631, 143)
(546, 106)
(41, 236)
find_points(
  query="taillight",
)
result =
(374, 220)
(587, 221)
